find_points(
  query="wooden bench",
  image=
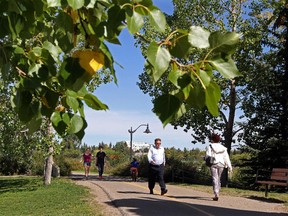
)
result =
(278, 177)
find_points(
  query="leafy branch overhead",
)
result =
(57, 47)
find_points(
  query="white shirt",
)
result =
(156, 155)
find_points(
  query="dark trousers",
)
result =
(156, 173)
(100, 168)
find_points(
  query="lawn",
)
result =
(251, 194)
(28, 196)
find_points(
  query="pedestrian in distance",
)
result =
(87, 158)
(134, 169)
(156, 159)
(221, 161)
(100, 161)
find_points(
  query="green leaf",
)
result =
(180, 47)
(73, 103)
(76, 4)
(224, 43)
(58, 124)
(212, 96)
(173, 76)
(56, 118)
(71, 74)
(157, 19)
(54, 51)
(76, 124)
(225, 65)
(206, 79)
(160, 58)
(196, 97)
(81, 133)
(18, 50)
(66, 118)
(35, 123)
(166, 108)
(54, 3)
(134, 22)
(199, 37)
(93, 102)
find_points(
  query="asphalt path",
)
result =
(123, 197)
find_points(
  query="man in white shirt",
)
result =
(156, 158)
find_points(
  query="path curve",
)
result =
(120, 197)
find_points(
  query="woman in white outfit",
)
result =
(222, 160)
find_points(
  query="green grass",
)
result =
(28, 196)
(257, 195)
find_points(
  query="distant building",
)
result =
(138, 146)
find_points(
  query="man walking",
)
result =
(156, 158)
(100, 160)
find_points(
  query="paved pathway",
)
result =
(124, 197)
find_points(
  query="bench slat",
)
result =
(278, 177)
(284, 184)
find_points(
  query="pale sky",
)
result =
(128, 105)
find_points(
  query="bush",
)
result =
(37, 166)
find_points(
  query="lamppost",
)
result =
(131, 131)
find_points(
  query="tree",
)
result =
(55, 48)
(214, 15)
(40, 41)
(266, 107)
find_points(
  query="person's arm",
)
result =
(164, 158)
(96, 157)
(227, 161)
(149, 155)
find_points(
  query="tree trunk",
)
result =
(48, 167)
(229, 127)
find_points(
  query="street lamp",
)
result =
(131, 131)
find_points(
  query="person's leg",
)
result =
(216, 180)
(85, 169)
(161, 180)
(214, 174)
(100, 169)
(88, 170)
(151, 179)
(219, 173)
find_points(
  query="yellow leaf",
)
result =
(89, 60)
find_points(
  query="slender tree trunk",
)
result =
(48, 167)
(49, 160)
(228, 135)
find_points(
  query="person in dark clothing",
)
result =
(156, 158)
(100, 160)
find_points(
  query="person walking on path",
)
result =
(221, 161)
(100, 160)
(156, 158)
(87, 157)
(134, 169)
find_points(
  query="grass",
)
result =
(258, 195)
(28, 196)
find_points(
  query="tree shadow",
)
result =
(17, 185)
(265, 199)
(150, 206)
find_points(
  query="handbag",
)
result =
(209, 160)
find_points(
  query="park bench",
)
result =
(278, 177)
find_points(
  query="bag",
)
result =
(209, 161)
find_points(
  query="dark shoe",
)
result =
(151, 192)
(215, 198)
(164, 191)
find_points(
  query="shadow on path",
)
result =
(152, 206)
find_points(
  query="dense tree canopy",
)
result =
(54, 49)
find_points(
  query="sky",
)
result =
(128, 105)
